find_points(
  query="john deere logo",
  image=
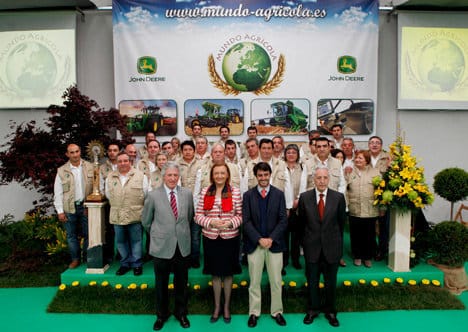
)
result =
(146, 65)
(347, 64)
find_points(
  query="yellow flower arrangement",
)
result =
(105, 283)
(399, 280)
(132, 286)
(321, 285)
(170, 286)
(75, 283)
(347, 283)
(210, 283)
(374, 283)
(292, 284)
(143, 286)
(196, 287)
(412, 282)
(403, 186)
(362, 281)
(243, 283)
(235, 286)
(387, 280)
(118, 286)
(92, 283)
(436, 282)
(62, 287)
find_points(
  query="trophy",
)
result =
(95, 150)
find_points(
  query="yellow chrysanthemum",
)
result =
(292, 284)
(132, 286)
(347, 283)
(75, 283)
(62, 287)
(399, 280)
(105, 283)
(436, 282)
(374, 283)
(196, 287)
(143, 286)
(412, 282)
(92, 283)
(321, 285)
(243, 283)
(387, 280)
(425, 282)
(118, 286)
(362, 281)
(170, 286)
(235, 286)
(306, 284)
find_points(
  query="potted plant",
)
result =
(447, 249)
(451, 184)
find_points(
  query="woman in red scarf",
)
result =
(219, 213)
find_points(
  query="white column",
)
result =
(400, 237)
(96, 237)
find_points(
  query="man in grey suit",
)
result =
(167, 214)
(322, 214)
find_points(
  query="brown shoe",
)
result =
(74, 264)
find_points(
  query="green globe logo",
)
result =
(441, 65)
(31, 69)
(246, 66)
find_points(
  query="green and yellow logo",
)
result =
(347, 64)
(147, 65)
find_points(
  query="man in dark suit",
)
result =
(322, 214)
(265, 222)
(166, 206)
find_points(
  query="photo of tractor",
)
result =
(288, 118)
(157, 116)
(214, 116)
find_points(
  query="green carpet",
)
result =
(24, 310)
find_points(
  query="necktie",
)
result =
(264, 193)
(321, 207)
(174, 205)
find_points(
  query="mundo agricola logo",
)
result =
(246, 67)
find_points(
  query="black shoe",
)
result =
(283, 272)
(309, 318)
(227, 319)
(279, 319)
(158, 324)
(252, 322)
(332, 319)
(378, 257)
(213, 318)
(122, 270)
(184, 322)
(137, 271)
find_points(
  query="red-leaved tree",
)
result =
(32, 154)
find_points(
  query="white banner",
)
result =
(285, 68)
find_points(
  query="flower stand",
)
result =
(399, 244)
(96, 237)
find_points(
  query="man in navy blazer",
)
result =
(265, 222)
(170, 242)
(322, 243)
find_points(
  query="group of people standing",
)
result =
(259, 201)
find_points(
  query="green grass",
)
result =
(98, 299)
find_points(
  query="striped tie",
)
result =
(174, 204)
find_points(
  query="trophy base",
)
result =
(95, 198)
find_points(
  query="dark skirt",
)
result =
(221, 256)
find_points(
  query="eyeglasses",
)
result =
(375, 143)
